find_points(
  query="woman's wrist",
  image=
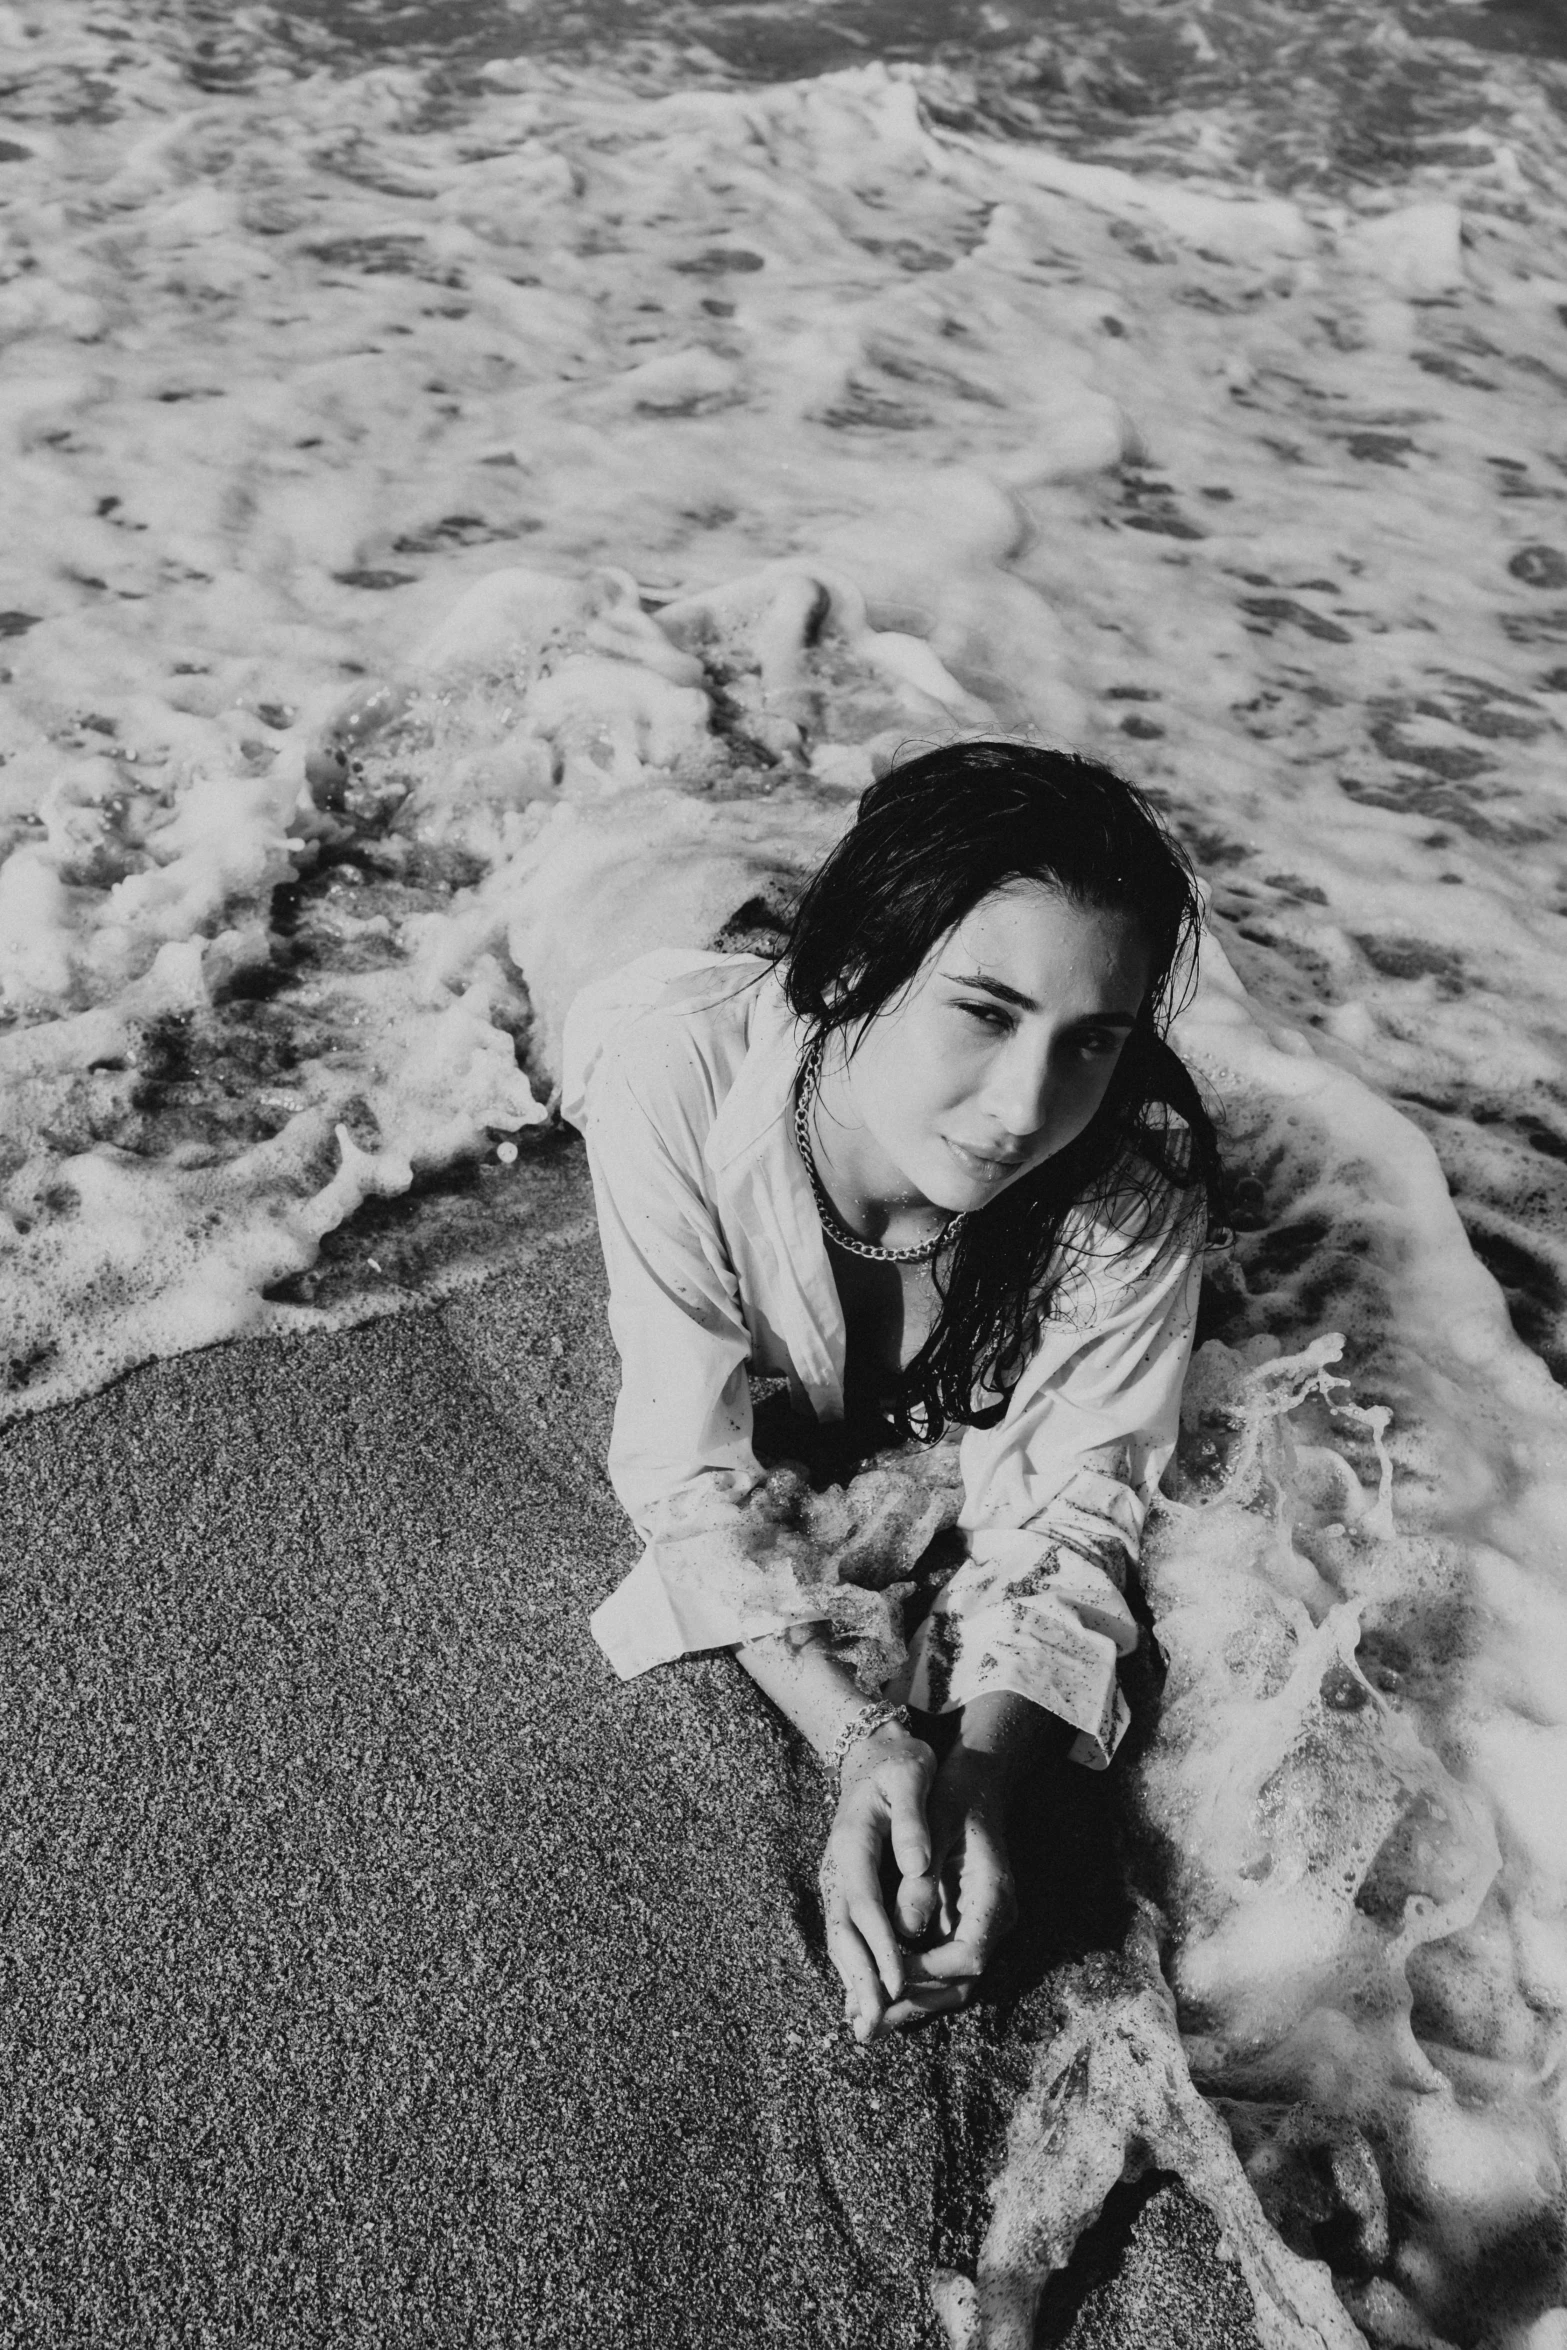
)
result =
(996, 1734)
(821, 1697)
(859, 1727)
(888, 1741)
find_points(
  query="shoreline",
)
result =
(382, 1969)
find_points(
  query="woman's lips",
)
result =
(986, 1166)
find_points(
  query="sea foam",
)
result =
(1149, 460)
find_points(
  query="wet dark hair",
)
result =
(936, 835)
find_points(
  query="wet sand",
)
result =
(378, 1970)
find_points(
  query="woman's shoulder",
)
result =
(672, 1024)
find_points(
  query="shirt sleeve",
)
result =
(680, 1456)
(1056, 1493)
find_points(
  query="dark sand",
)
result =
(378, 1970)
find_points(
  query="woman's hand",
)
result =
(882, 1800)
(969, 1895)
(946, 1835)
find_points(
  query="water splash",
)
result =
(1352, 1948)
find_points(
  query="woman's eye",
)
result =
(988, 1015)
(1101, 1044)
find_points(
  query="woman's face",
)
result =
(998, 1053)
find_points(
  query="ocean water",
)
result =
(487, 486)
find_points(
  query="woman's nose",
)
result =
(1019, 1095)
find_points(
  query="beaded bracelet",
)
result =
(861, 1725)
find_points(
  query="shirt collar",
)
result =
(759, 1097)
(767, 1205)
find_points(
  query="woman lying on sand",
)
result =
(935, 1166)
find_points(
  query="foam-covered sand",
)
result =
(462, 536)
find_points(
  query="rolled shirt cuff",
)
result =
(1023, 1614)
(1039, 1620)
(1015, 1563)
(689, 1592)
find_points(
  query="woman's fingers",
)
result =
(860, 1939)
(986, 1907)
(916, 1906)
(907, 1824)
(874, 1927)
(863, 2000)
(960, 1961)
(927, 1901)
(921, 2001)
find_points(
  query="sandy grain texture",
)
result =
(378, 1971)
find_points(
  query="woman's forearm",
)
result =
(1000, 1731)
(819, 1696)
(817, 1693)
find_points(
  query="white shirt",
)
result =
(680, 1071)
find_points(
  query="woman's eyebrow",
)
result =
(996, 987)
(1026, 1003)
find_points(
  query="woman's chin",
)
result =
(981, 1196)
(965, 1196)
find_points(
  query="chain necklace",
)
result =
(834, 1230)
